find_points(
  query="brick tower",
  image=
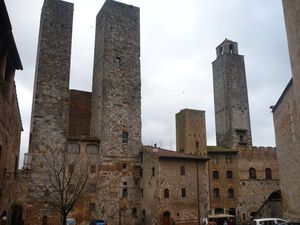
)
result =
(116, 110)
(231, 97)
(51, 86)
(191, 132)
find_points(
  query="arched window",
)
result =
(252, 173)
(166, 193)
(230, 193)
(215, 174)
(268, 173)
(229, 174)
(216, 193)
(231, 48)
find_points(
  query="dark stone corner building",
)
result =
(10, 120)
(139, 184)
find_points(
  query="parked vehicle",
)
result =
(71, 221)
(268, 221)
(289, 223)
(98, 222)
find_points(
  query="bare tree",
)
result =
(67, 177)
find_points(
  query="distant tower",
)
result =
(116, 110)
(231, 97)
(191, 132)
(49, 121)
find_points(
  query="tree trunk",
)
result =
(64, 219)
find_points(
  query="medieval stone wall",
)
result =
(285, 119)
(10, 119)
(79, 114)
(10, 137)
(289, 111)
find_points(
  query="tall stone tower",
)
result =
(191, 132)
(116, 110)
(49, 121)
(116, 92)
(231, 97)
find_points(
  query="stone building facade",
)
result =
(10, 119)
(174, 187)
(224, 180)
(286, 116)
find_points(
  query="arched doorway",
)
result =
(272, 207)
(166, 218)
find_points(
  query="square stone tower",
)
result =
(191, 132)
(50, 108)
(116, 111)
(116, 91)
(231, 97)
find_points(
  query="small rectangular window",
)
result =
(182, 171)
(134, 213)
(92, 149)
(92, 207)
(93, 169)
(183, 192)
(153, 171)
(92, 188)
(141, 172)
(229, 159)
(124, 193)
(125, 137)
(71, 168)
(124, 166)
(73, 148)
(142, 192)
(216, 160)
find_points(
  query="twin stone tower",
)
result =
(107, 121)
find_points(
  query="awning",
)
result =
(216, 216)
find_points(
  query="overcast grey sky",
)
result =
(178, 40)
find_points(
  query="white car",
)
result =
(268, 221)
(71, 221)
